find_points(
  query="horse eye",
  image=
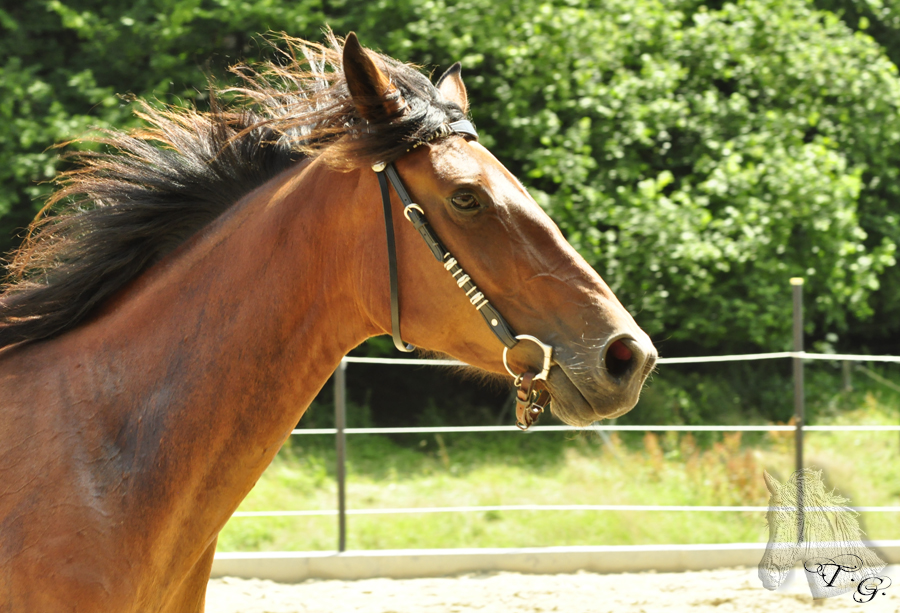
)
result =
(464, 201)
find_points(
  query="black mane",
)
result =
(120, 211)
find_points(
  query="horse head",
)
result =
(783, 548)
(825, 535)
(501, 240)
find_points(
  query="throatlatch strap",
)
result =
(392, 265)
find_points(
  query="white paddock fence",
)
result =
(293, 566)
(341, 564)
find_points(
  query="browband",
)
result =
(463, 126)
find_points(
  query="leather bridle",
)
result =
(528, 407)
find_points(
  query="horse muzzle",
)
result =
(588, 385)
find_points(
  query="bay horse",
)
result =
(193, 284)
(810, 524)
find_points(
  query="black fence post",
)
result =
(340, 423)
(799, 401)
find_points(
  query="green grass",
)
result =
(555, 468)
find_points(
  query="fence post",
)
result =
(799, 400)
(340, 423)
(797, 287)
(847, 375)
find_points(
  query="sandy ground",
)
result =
(699, 592)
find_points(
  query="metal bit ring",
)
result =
(545, 367)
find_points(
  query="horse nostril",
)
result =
(620, 351)
(619, 358)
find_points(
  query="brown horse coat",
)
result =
(129, 439)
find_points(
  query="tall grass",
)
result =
(558, 468)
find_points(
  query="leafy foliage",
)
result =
(697, 158)
(879, 19)
(67, 65)
(696, 155)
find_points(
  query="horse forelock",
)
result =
(148, 190)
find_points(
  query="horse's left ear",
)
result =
(374, 96)
(771, 483)
(451, 87)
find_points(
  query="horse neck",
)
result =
(218, 351)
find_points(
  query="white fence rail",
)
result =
(340, 407)
(798, 355)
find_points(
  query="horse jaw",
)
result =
(776, 563)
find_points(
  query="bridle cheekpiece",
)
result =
(527, 408)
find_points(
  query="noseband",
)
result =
(528, 407)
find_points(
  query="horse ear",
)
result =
(374, 96)
(451, 87)
(771, 483)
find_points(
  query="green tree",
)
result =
(67, 65)
(880, 19)
(696, 156)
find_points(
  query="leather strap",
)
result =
(392, 265)
(495, 321)
(463, 126)
(528, 407)
(387, 172)
(413, 215)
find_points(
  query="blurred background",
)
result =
(697, 154)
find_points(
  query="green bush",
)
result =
(67, 65)
(696, 156)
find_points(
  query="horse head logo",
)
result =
(810, 524)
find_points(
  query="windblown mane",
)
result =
(123, 209)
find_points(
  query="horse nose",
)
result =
(624, 358)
